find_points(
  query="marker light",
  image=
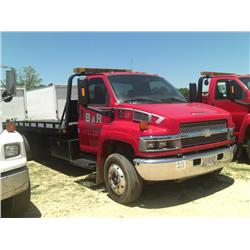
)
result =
(98, 70)
(143, 125)
(11, 127)
(232, 89)
(208, 73)
(83, 91)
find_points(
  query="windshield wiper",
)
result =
(173, 99)
(140, 99)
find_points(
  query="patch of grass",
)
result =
(241, 169)
(237, 170)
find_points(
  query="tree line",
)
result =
(29, 78)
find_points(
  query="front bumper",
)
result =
(183, 167)
(14, 182)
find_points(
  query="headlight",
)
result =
(164, 143)
(11, 150)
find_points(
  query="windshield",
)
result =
(246, 81)
(144, 89)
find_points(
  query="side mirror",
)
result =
(206, 82)
(83, 92)
(11, 82)
(6, 97)
(193, 92)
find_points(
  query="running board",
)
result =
(84, 163)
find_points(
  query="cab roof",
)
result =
(221, 74)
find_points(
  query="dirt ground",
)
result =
(62, 190)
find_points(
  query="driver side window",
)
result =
(98, 94)
(221, 90)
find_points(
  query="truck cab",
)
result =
(230, 92)
(142, 129)
(14, 175)
(134, 128)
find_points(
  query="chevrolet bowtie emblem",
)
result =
(206, 133)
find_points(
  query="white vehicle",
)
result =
(15, 110)
(14, 175)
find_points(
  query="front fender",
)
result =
(117, 136)
(114, 135)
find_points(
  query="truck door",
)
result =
(90, 122)
(234, 107)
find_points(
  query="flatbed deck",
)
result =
(50, 124)
(46, 126)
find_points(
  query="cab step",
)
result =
(84, 163)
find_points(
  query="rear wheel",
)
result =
(122, 181)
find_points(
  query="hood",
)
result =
(183, 112)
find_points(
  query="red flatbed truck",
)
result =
(132, 128)
(230, 92)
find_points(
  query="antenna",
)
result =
(131, 62)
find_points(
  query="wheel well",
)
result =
(27, 148)
(123, 148)
(247, 134)
(110, 147)
(38, 145)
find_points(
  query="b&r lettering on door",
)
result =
(93, 118)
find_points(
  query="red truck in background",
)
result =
(230, 92)
(132, 128)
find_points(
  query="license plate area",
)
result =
(209, 161)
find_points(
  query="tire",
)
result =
(27, 148)
(123, 183)
(20, 203)
(248, 149)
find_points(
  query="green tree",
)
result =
(184, 91)
(28, 77)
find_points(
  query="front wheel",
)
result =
(248, 148)
(121, 179)
(16, 205)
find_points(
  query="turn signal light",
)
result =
(11, 127)
(232, 89)
(143, 125)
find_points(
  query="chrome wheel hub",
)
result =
(116, 179)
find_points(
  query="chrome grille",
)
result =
(201, 126)
(195, 134)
